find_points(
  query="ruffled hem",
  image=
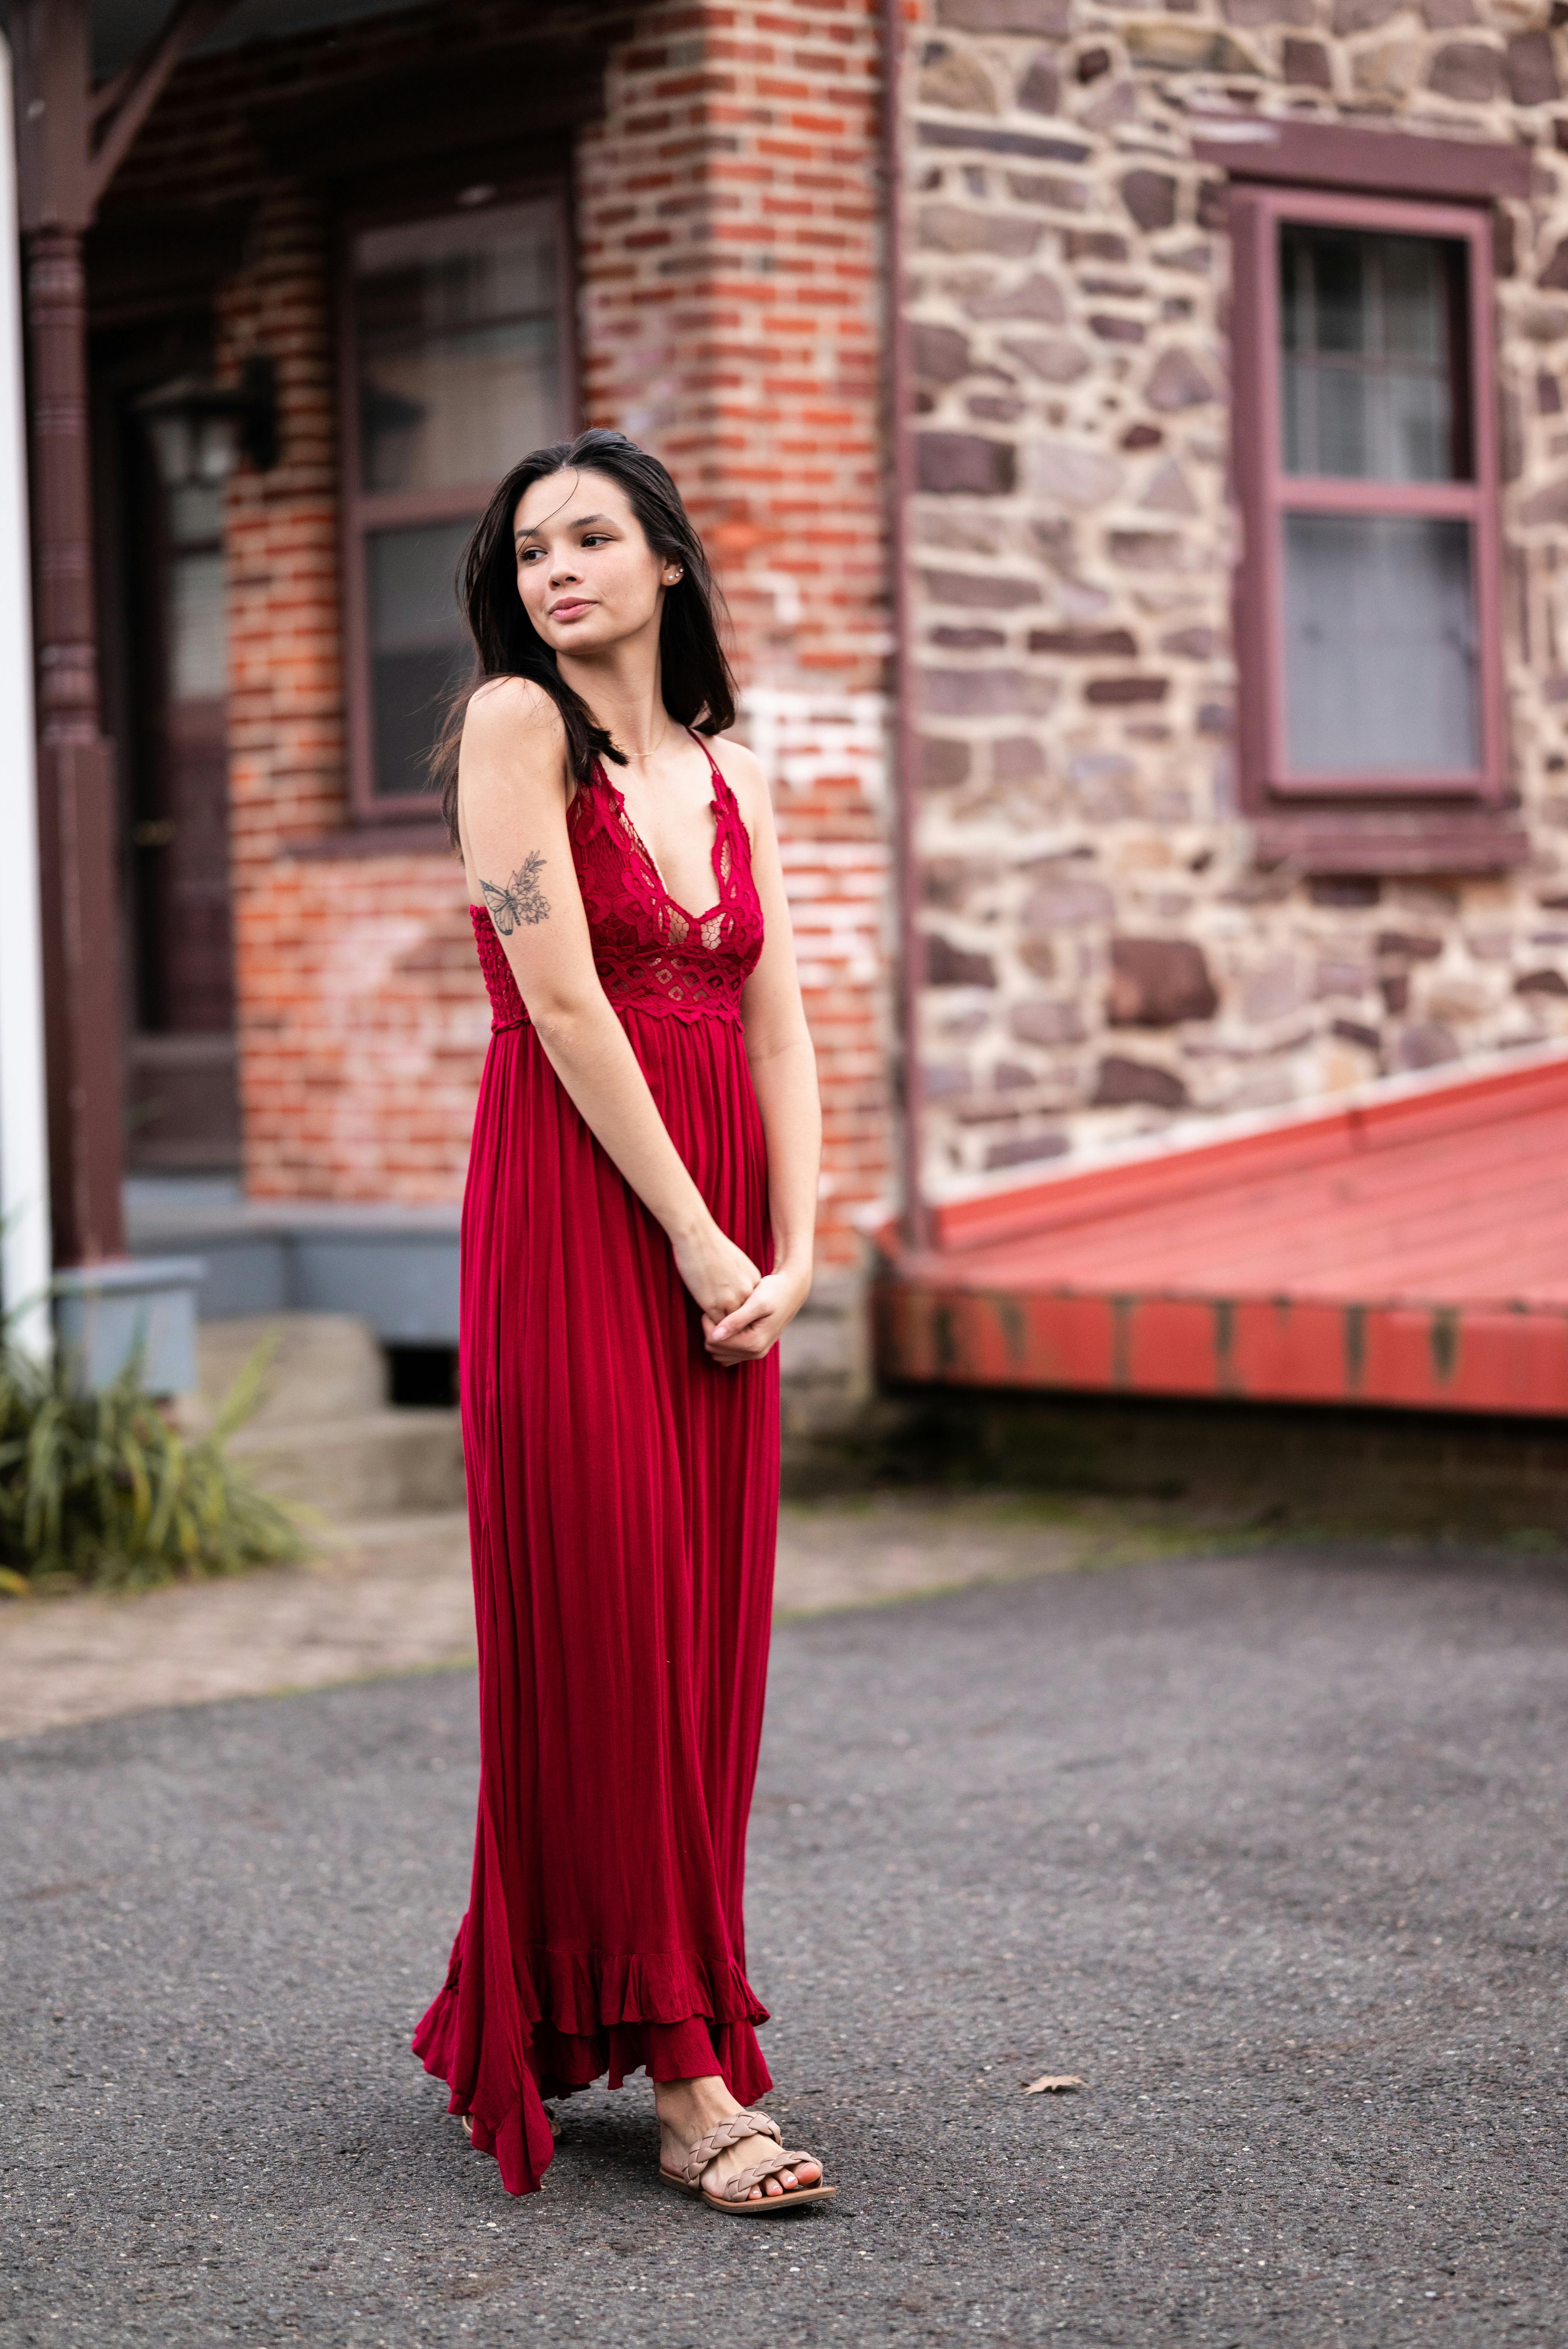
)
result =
(580, 1991)
(692, 2049)
(574, 2017)
(494, 2088)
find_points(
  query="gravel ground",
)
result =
(1269, 1850)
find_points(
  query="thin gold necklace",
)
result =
(642, 757)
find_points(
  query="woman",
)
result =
(636, 1234)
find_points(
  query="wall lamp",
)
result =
(199, 430)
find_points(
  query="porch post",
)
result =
(24, 1255)
(83, 994)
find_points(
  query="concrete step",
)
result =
(324, 1433)
(321, 1366)
(378, 1463)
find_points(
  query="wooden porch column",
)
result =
(84, 997)
(76, 767)
(69, 143)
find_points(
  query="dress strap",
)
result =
(703, 745)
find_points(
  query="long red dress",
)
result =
(622, 1507)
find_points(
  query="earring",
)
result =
(674, 578)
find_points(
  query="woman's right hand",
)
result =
(720, 1275)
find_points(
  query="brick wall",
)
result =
(731, 321)
(362, 1022)
(1105, 950)
(727, 214)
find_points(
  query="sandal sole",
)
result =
(767, 2206)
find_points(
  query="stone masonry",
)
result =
(1104, 948)
(1104, 951)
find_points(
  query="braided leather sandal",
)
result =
(733, 2200)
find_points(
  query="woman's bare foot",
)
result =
(687, 2109)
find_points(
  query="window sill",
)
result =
(1392, 841)
(414, 836)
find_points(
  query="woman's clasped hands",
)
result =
(743, 1311)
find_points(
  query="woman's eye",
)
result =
(596, 538)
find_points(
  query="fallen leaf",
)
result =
(1052, 2082)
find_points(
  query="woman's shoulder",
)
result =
(513, 707)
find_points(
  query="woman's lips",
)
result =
(570, 608)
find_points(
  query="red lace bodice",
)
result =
(647, 950)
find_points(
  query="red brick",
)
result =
(360, 1064)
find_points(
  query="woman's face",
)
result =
(587, 577)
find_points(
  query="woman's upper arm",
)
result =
(770, 1005)
(512, 799)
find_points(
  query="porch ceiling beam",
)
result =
(107, 95)
(126, 102)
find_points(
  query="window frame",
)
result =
(1267, 493)
(361, 511)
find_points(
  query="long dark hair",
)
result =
(698, 689)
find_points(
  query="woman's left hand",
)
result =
(749, 1330)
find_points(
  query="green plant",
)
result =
(104, 1489)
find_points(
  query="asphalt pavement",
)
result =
(1269, 1851)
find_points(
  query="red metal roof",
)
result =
(1408, 1247)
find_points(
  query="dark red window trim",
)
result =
(359, 513)
(1268, 493)
(1378, 162)
(1345, 824)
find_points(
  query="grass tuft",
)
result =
(105, 1489)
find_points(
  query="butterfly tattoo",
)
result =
(522, 899)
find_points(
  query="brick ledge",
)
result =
(420, 836)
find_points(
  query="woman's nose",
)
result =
(561, 572)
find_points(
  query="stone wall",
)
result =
(1104, 950)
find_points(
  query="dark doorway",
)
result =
(167, 655)
(423, 1377)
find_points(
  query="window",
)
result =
(1368, 599)
(457, 362)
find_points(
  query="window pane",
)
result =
(459, 347)
(418, 645)
(198, 646)
(1380, 646)
(194, 515)
(1367, 326)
